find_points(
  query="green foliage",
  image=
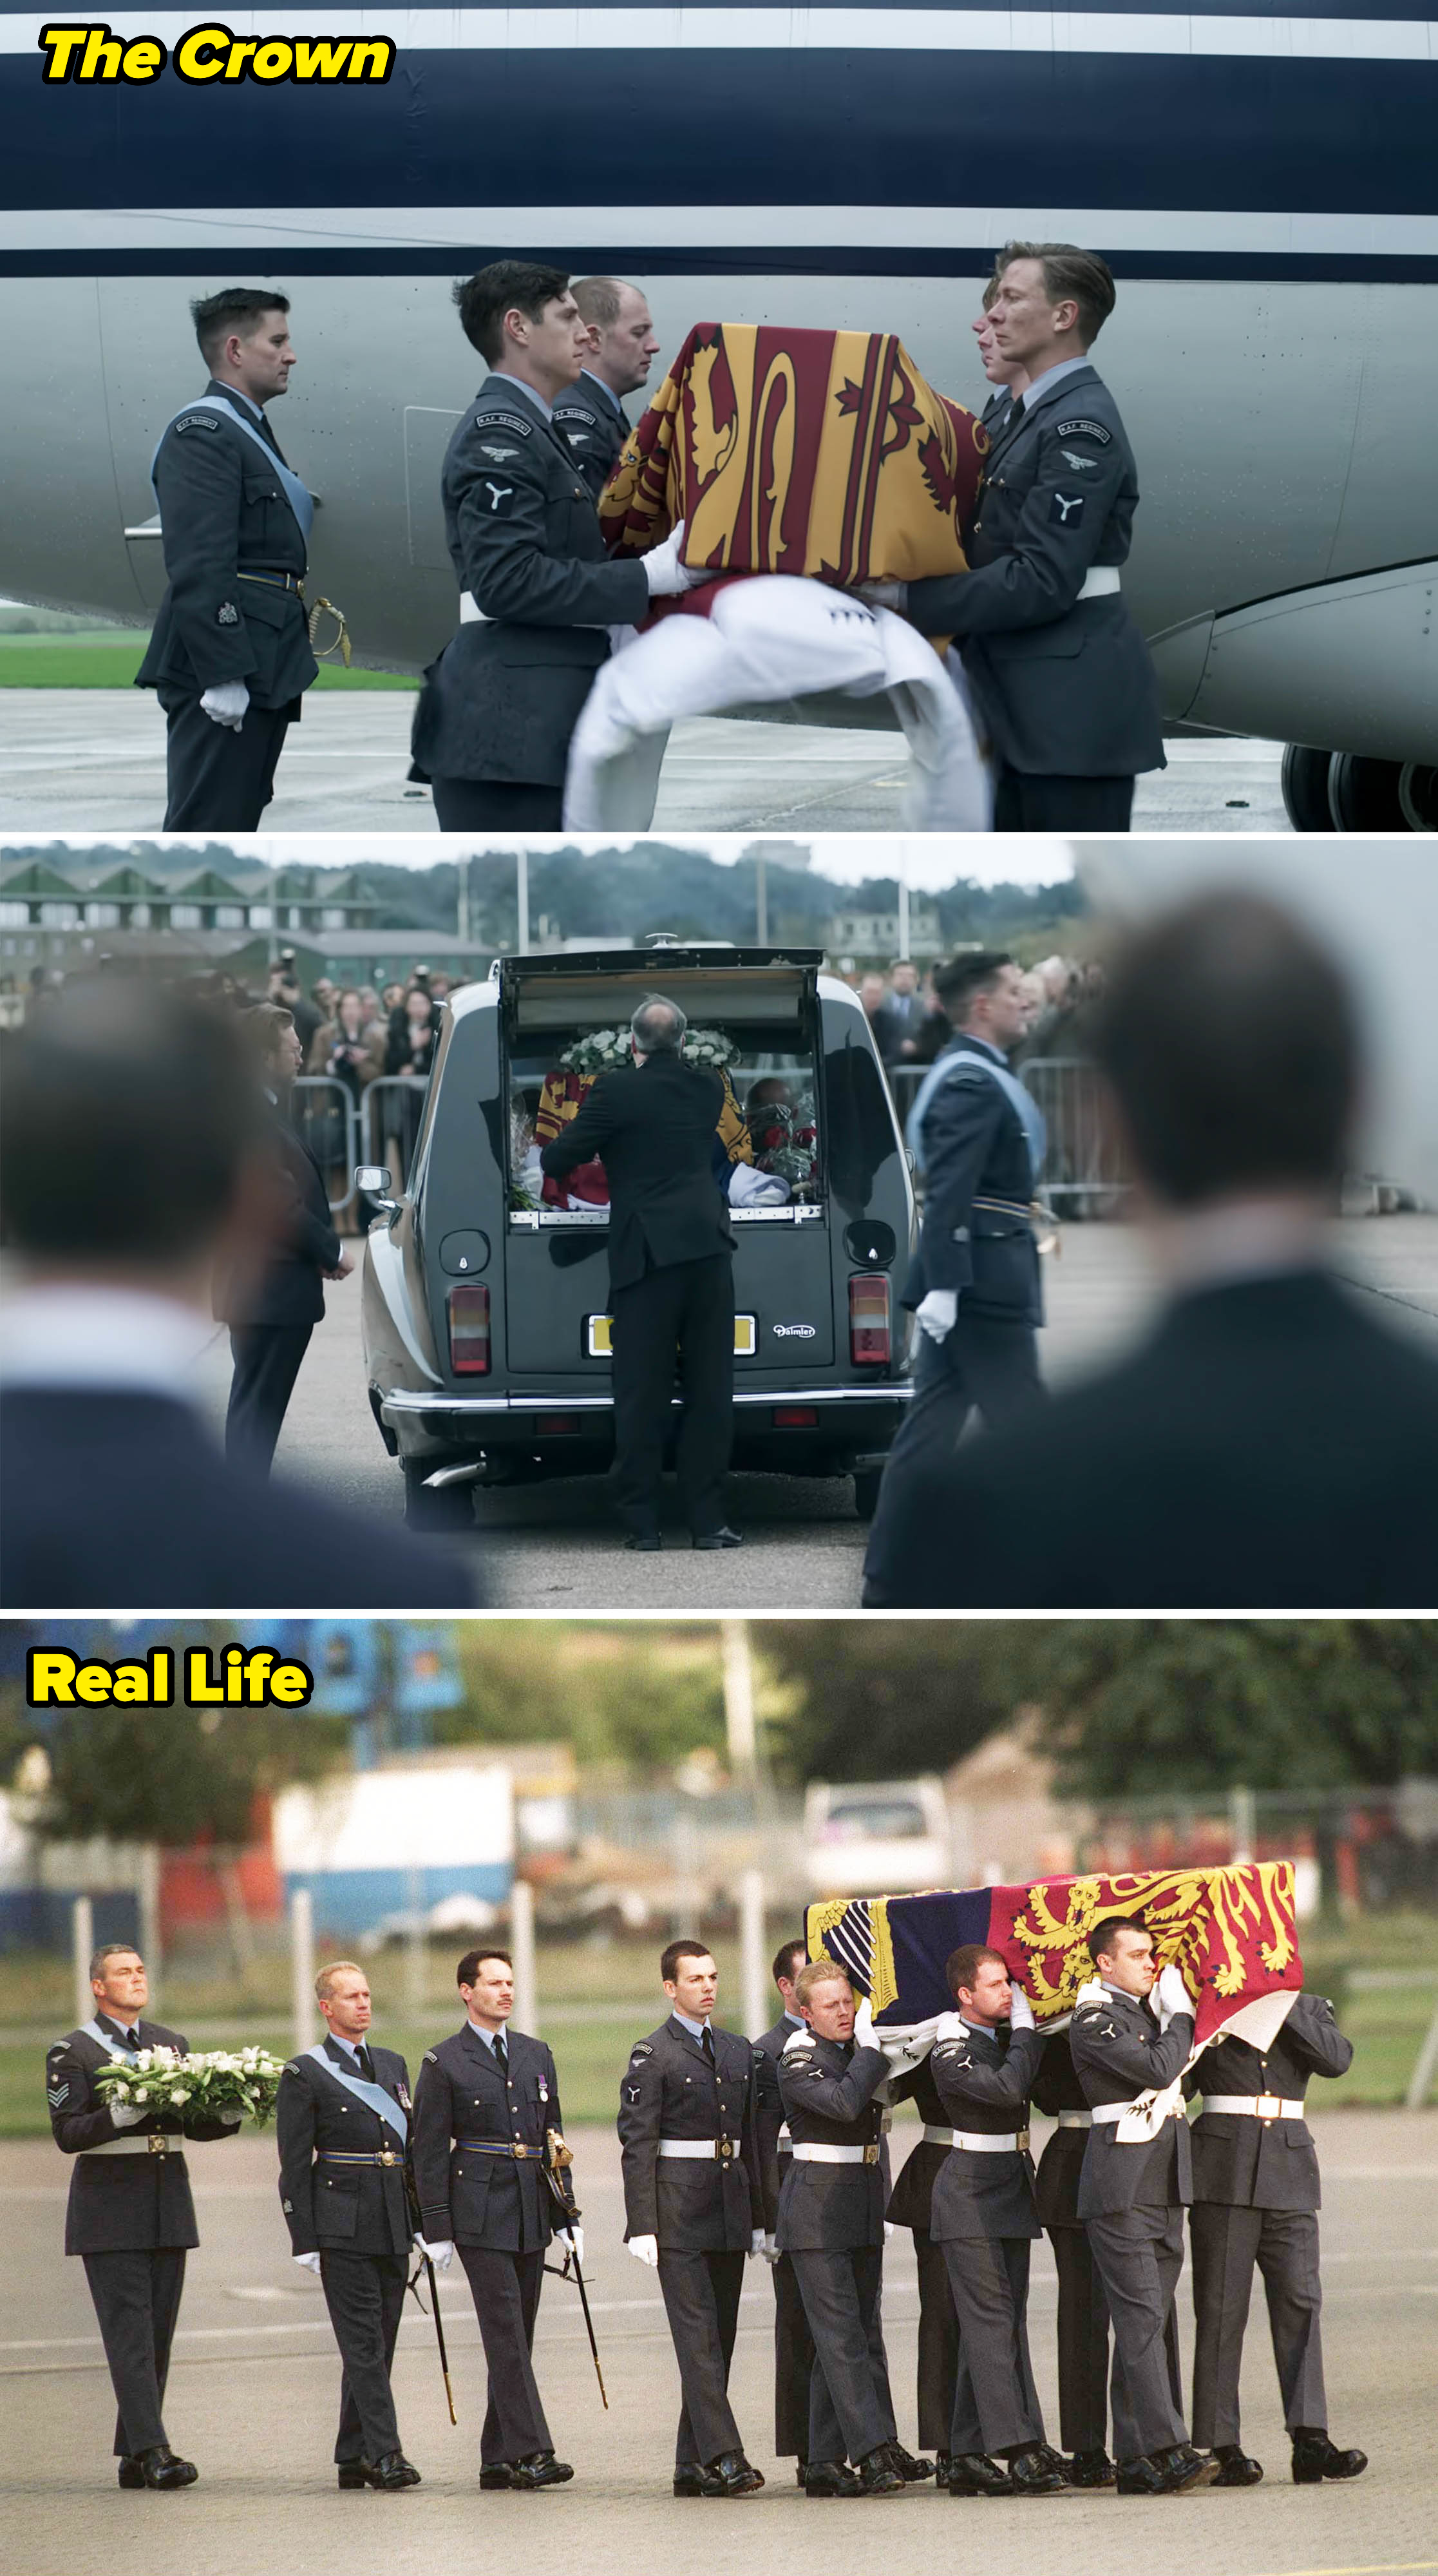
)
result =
(882, 1699)
(175, 1775)
(634, 1697)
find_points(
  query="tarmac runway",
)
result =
(555, 1546)
(254, 2395)
(85, 760)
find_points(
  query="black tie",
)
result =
(709, 2043)
(501, 2055)
(363, 2060)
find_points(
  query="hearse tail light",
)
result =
(469, 1329)
(870, 1337)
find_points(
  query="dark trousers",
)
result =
(267, 1361)
(137, 2300)
(1026, 803)
(498, 804)
(1226, 2245)
(793, 2365)
(1138, 2254)
(850, 2411)
(219, 780)
(1083, 2343)
(938, 2344)
(701, 2301)
(506, 2291)
(683, 1317)
(984, 1365)
(996, 2405)
(364, 2294)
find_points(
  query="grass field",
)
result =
(105, 659)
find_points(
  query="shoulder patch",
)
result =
(495, 452)
(573, 411)
(640, 2050)
(504, 420)
(1084, 429)
(1066, 508)
(431, 2057)
(1080, 464)
(196, 420)
(499, 499)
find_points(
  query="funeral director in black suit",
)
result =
(671, 1272)
(273, 1308)
(342, 2125)
(487, 2122)
(130, 2217)
(230, 656)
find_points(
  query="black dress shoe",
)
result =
(392, 2470)
(160, 2468)
(1054, 2459)
(1166, 2473)
(731, 2475)
(694, 2481)
(829, 2478)
(1316, 2458)
(878, 2475)
(500, 2473)
(129, 2472)
(718, 1538)
(1091, 2469)
(541, 2469)
(1030, 2474)
(972, 2474)
(912, 2471)
(1234, 2469)
(1204, 2462)
(646, 1542)
(942, 2465)
(352, 2476)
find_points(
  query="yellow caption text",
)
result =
(88, 52)
(212, 1677)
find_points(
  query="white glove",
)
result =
(888, 2229)
(226, 703)
(756, 2242)
(1090, 1992)
(1171, 1994)
(309, 2263)
(885, 594)
(771, 2249)
(864, 2024)
(664, 572)
(126, 2115)
(645, 2249)
(937, 1313)
(440, 2254)
(572, 2239)
(950, 2025)
(1021, 2011)
(232, 2123)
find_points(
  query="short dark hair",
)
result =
(963, 1965)
(126, 1113)
(1101, 1938)
(473, 1960)
(235, 308)
(1072, 275)
(1229, 1039)
(964, 976)
(485, 298)
(677, 1950)
(113, 1950)
(785, 1956)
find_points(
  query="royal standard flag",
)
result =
(1230, 1932)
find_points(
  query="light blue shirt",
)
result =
(1043, 386)
(541, 406)
(351, 2047)
(696, 2029)
(796, 2018)
(488, 2036)
(608, 392)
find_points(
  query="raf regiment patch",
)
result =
(1080, 464)
(196, 420)
(227, 614)
(1066, 508)
(500, 499)
(1084, 429)
(505, 420)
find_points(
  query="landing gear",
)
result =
(1305, 788)
(1363, 794)
(1340, 791)
(1418, 796)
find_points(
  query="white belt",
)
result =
(1116, 2111)
(1099, 582)
(1253, 2106)
(152, 2144)
(816, 2155)
(471, 614)
(975, 2142)
(709, 2151)
(1075, 2119)
(785, 2142)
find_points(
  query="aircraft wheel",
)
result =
(1305, 787)
(1363, 794)
(1418, 796)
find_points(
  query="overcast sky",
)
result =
(930, 860)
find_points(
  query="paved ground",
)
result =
(80, 760)
(553, 1546)
(254, 2390)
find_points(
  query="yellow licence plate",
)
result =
(599, 1340)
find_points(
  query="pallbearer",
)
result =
(486, 2113)
(1083, 2309)
(693, 2205)
(793, 2343)
(911, 2205)
(130, 2215)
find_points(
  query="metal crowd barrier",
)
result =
(330, 1128)
(391, 1109)
(1084, 1166)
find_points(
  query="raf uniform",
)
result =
(593, 421)
(272, 1312)
(983, 1144)
(911, 2206)
(342, 2125)
(831, 2224)
(481, 2112)
(498, 708)
(690, 2160)
(793, 2343)
(1061, 676)
(1082, 2309)
(1131, 2199)
(1255, 2200)
(131, 2219)
(235, 525)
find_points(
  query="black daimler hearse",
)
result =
(485, 1330)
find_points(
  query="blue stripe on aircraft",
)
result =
(904, 130)
(643, 259)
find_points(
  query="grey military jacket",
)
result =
(504, 697)
(1057, 2088)
(1251, 2163)
(984, 2088)
(1119, 2052)
(328, 2203)
(769, 2118)
(595, 428)
(224, 523)
(694, 2204)
(1064, 686)
(119, 2204)
(479, 2142)
(827, 2091)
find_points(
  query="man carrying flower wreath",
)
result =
(130, 2217)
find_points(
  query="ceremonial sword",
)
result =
(570, 2217)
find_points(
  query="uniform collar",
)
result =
(696, 2029)
(124, 1340)
(963, 1038)
(544, 409)
(797, 2019)
(242, 402)
(487, 2037)
(610, 396)
(349, 2048)
(1054, 381)
(128, 2034)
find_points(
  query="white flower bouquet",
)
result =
(709, 1046)
(210, 2085)
(596, 1051)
